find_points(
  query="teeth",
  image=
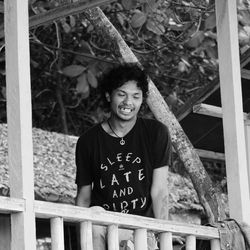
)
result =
(126, 110)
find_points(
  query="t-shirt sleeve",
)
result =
(82, 160)
(162, 150)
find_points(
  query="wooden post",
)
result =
(86, 238)
(231, 97)
(113, 237)
(166, 241)
(215, 244)
(141, 239)
(247, 137)
(20, 150)
(190, 242)
(57, 234)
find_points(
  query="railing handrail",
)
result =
(73, 213)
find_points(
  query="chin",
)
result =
(127, 118)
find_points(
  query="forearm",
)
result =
(160, 205)
(82, 202)
(83, 198)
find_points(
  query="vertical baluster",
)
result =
(215, 244)
(57, 234)
(141, 239)
(113, 237)
(190, 242)
(86, 238)
(166, 241)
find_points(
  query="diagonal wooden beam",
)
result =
(60, 12)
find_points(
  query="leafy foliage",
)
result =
(174, 40)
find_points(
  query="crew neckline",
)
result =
(119, 138)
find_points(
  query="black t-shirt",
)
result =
(121, 175)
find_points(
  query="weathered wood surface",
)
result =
(210, 110)
(20, 150)
(57, 233)
(209, 196)
(9, 205)
(140, 238)
(86, 238)
(231, 98)
(76, 213)
(113, 237)
(166, 240)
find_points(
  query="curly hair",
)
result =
(121, 74)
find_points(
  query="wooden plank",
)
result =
(113, 237)
(247, 137)
(215, 244)
(166, 241)
(140, 239)
(231, 97)
(20, 150)
(205, 154)
(57, 233)
(62, 11)
(190, 242)
(8, 205)
(210, 110)
(76, 213)
(86, 237)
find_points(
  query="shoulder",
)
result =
(152, 124)
(89, 134)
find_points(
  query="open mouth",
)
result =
(126, 110)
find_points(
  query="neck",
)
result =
(121, 127)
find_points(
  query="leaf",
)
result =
(244, 17)
(182, 66)
(129, 4)
(210, 22)
(65, 26)
(3, 92)
(158, 29)
(196, 40)
(150, 5)
(243, 35)
(86, 48)
(72, 21)
(138, 19)
(82, 86)
(121, 18)
(92, 79)
(73, 70)
(212, 52)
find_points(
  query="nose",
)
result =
(128, 100)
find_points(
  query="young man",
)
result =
(122, 163)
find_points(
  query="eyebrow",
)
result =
(135, 93)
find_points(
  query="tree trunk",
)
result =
(210, 197)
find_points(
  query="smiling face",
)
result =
(125, 101)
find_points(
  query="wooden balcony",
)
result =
(60, 213)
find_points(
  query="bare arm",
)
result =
(83, 197)
(159, 192)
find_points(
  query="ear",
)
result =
(107, 96)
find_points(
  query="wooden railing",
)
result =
(60, 213)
